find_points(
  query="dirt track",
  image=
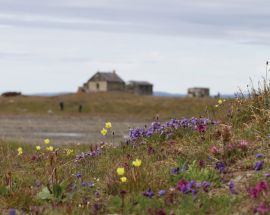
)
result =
(61, 129)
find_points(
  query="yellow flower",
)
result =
(38, 148)
(108, 125)
(50, 148)
(104, 131)
(137, 163)
(47, 141)
(123, 179)
(220, 102)
(216, 106)
(69, 152)
(120, 170)
(20, 151)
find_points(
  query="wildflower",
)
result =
(258, 165)
(69, 152)
(205, 185)
(216, 106)
(104, 131)
(161, 193)
(263, 209)
(20, 151)
(232, 187)
(182, 186)
(84, 184)
(12, 212)
(220, 166)
(34, 157)
(220, 101)
(149, 193)
(50, 148)
(175, 171)
(38, 148)
(108, 125)
(47, 141)
(137, 163)
(254, 192)
(259, 155)
(214, 150)
(201, 163)
(201, 128)
(123, 179)
(120, 171)
(262, 186)
(267, 175)
(244, 144)
(78, 175)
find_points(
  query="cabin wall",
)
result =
(97, 86)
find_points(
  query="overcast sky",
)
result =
(56, 45)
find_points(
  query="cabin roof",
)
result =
(140, 83)
(106, 76)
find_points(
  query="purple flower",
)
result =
(78, 175)
(182, 186)
(12, 212)
(258, 165)
(84, 184)
(259, 155)
(205, 185)
(232, 188)
(267, 175)
(149, 193)
(175, 171)
(220, 166)
(161, 193)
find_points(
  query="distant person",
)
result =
(62, 106)
(80, 108)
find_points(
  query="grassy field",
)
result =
(117, 105)
(213, 165)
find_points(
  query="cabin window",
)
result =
(97, 86)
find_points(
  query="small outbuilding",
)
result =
(198, 92)
(140, 87)
(103, 82)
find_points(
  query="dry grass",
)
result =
(120, 105)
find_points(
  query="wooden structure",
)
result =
(198, 92)
(103, 82)
(140, 87)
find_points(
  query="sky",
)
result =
(57, 45)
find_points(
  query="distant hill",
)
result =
(50, 94)
(160, 93)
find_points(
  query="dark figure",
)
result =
(80, 108)
(62, 106)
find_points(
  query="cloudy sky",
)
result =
(56, 45)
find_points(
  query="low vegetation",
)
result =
(214, 163)
(118, 105)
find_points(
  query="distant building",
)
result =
(103, 82)
(140, 87)
(198, 92)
